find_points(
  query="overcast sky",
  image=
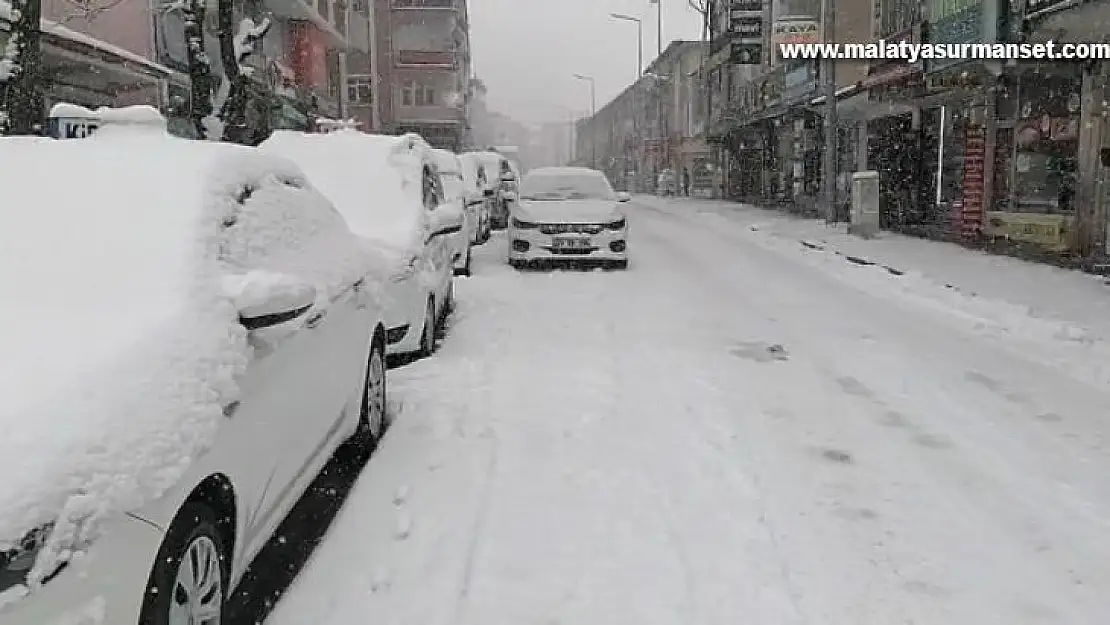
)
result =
(527, 51)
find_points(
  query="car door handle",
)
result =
(316, 319)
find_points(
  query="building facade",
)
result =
(424, 69)
(655, 124)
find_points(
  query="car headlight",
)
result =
(408, 271)
(616, 225)
(523, 225)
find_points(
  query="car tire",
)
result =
(465, 269)
(428, 332)
(194, 531)
(373, 418)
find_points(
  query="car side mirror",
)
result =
(623, 196)
(267, 299)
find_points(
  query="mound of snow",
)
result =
(374, 181)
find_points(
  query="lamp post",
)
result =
(639, 39)
(593, 118)
(635, 88)
(828, 76)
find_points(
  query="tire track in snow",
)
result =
(678, 394)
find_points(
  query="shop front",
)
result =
(78, 69)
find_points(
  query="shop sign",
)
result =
(746, 32)
(1047, 231)
(969, 77)
(971, 209)
(795, 30)
(954, 23)
(1037, 7)
(889, 70)
(72, 127)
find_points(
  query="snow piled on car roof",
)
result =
(112, 254)
(374, 180)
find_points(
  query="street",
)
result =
(738, 429)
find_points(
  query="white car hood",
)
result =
(568, 211)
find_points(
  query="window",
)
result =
(362, 7)
(360, 90)
(415, 94)
(324, 8)
(425, 96)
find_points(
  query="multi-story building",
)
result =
(423, 68)
(299, 66)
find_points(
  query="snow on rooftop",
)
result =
(66, 109)
(64, 32)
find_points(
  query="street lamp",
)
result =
(593, 118)
(639, 39)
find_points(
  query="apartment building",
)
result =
(424, 68)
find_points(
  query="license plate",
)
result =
(572, 243)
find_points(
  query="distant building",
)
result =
(423, 49)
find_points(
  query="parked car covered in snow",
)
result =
(450, 170)
(195, 335)
(501, 178)
(568, 214)
(389, 192)
(480, 194)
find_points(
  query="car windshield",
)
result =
(573, 186)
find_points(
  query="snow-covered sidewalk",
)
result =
(739, 429)
(1046, 291)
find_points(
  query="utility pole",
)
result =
(828, 76)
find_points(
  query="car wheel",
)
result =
(189, 581)
(428, 334)
(373, 420)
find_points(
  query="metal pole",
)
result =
(828, 75)
(639, 49)
(593, 125)
(659, 25)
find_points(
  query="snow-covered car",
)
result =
(389, 192)
(455, 190)
(480, 194)
(191, 334)
(499, 178)
(568, 214)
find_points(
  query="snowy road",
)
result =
(739, 429)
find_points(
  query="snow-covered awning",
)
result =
(55, 29)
